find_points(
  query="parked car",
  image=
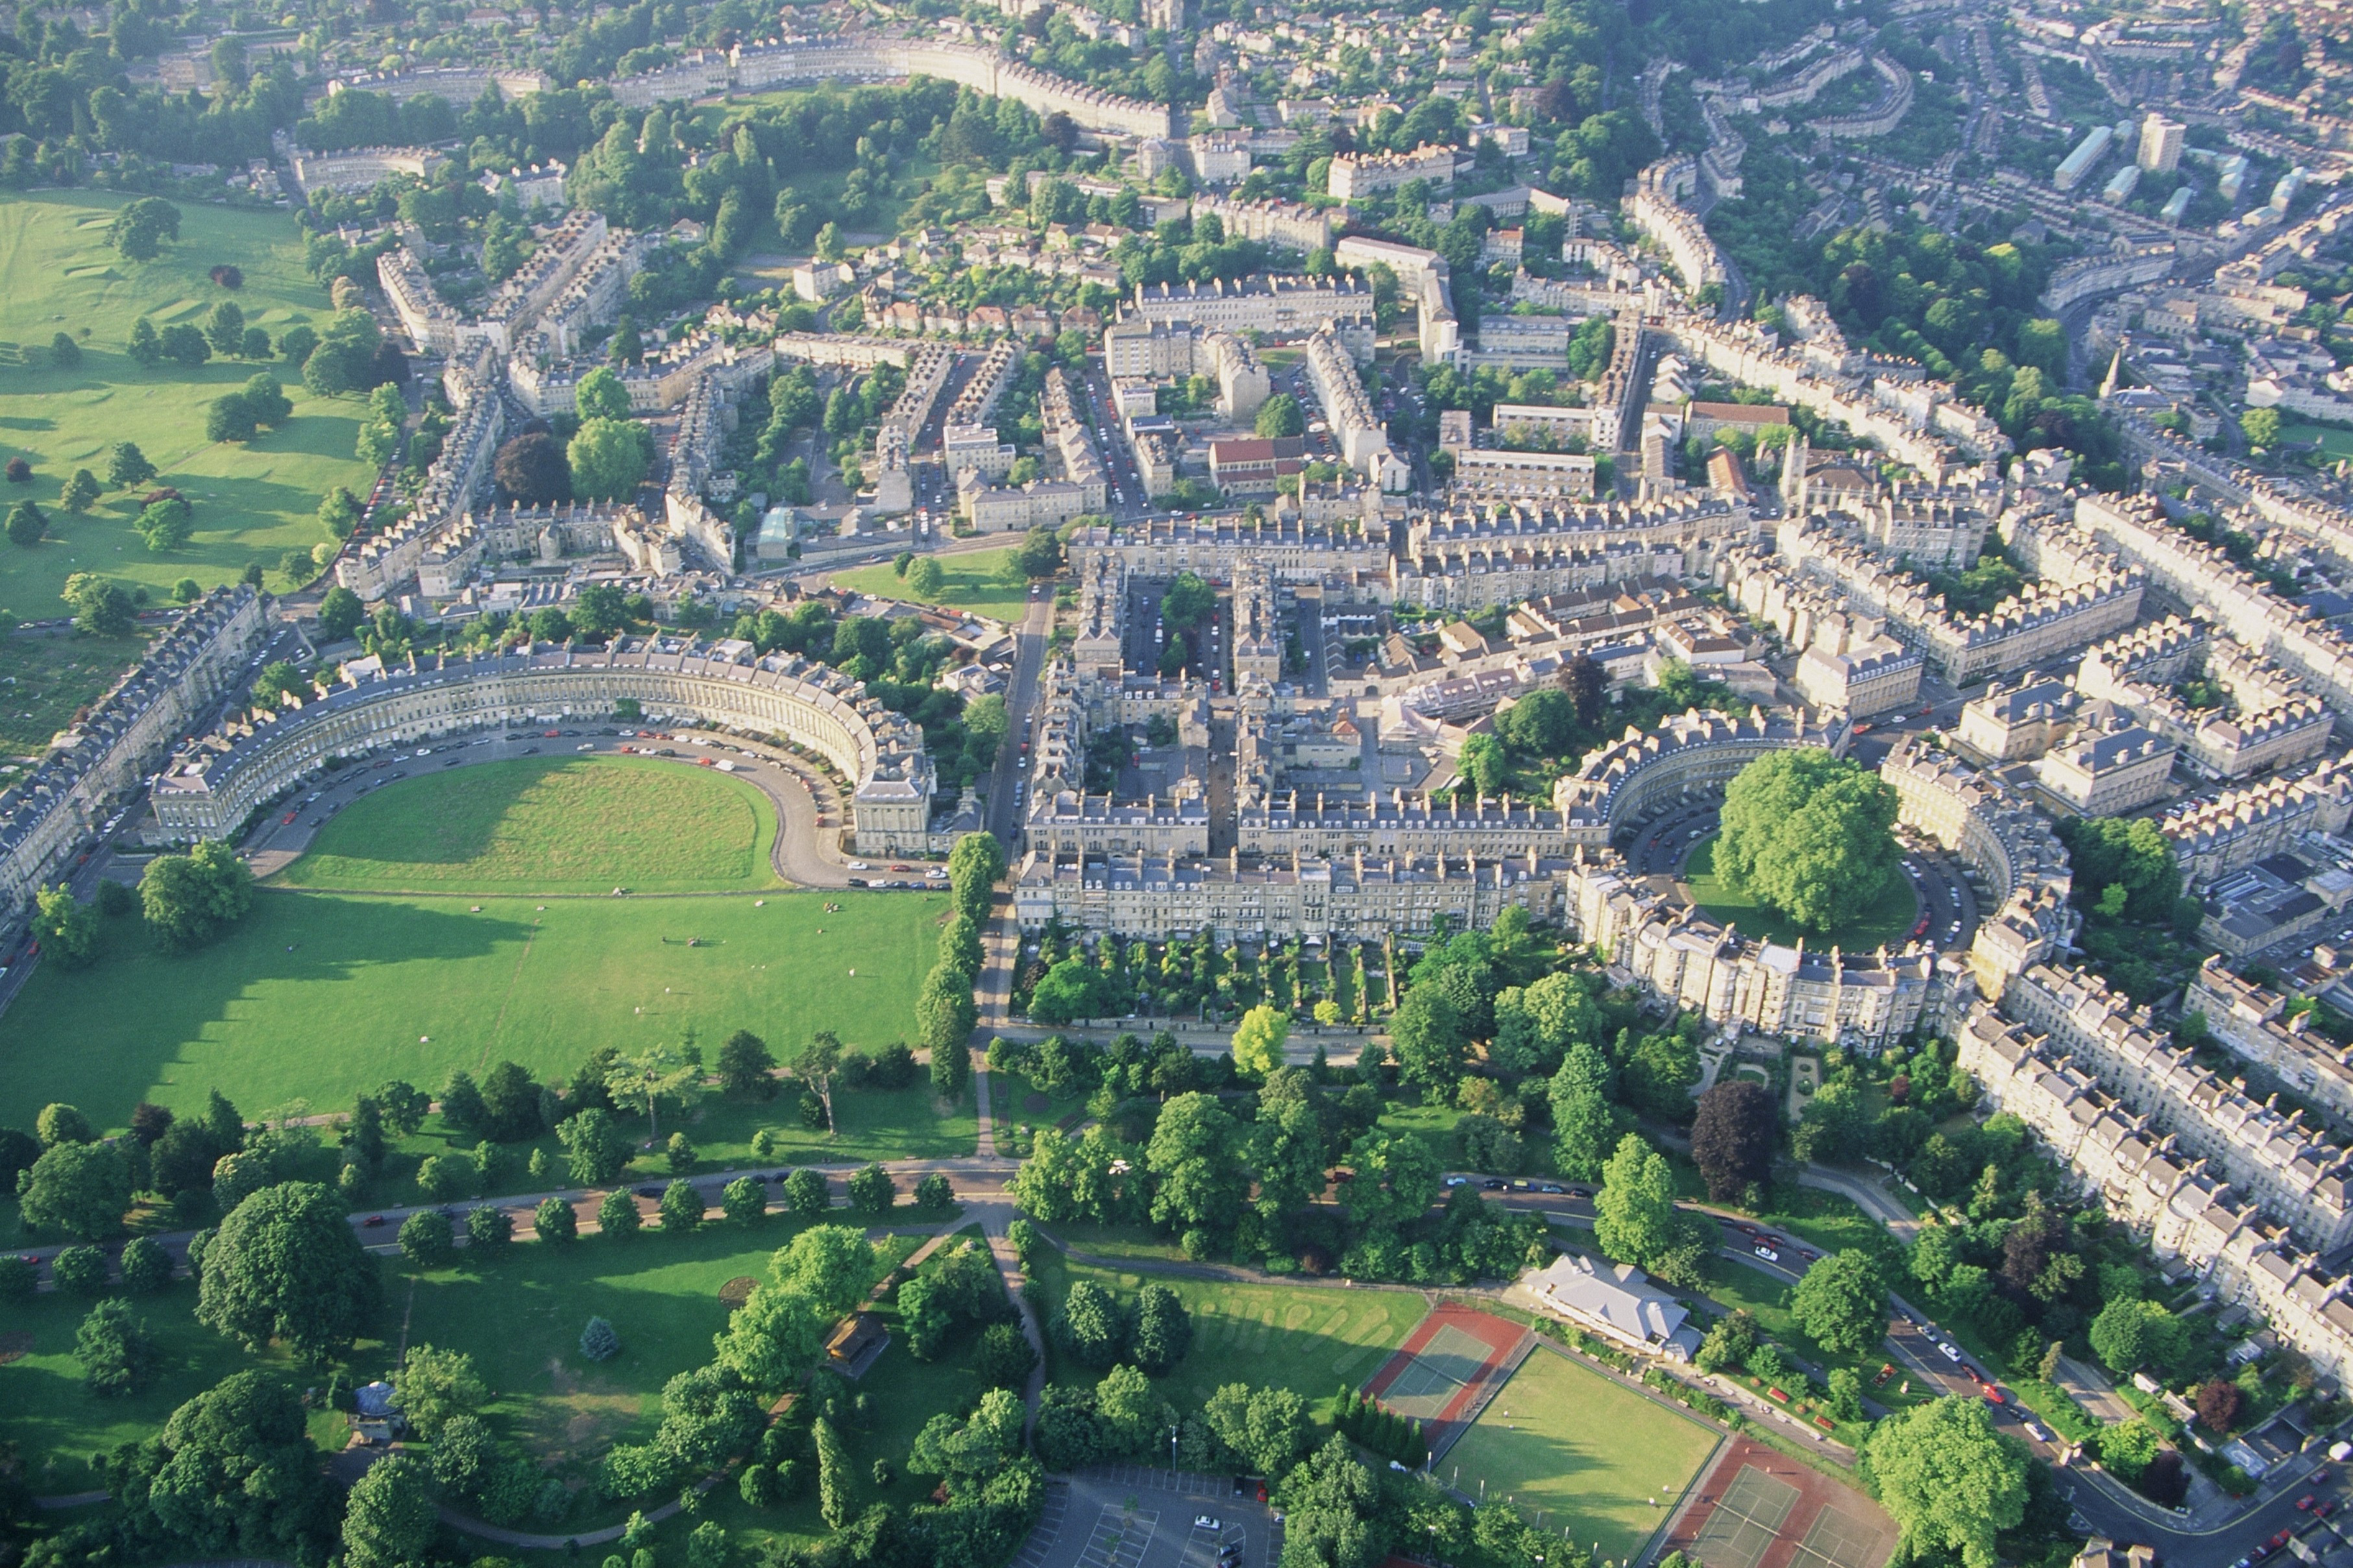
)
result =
(1766, 1253)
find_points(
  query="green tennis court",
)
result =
(1842, 1540)
(1745, 1523)
(1439, 1369)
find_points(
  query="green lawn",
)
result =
(320, 996)
(973, 582)
(1578, 1451)
(1310, 1339)
(253, 502)
(1886, 919)
(1737, 1285)
(550, 826)
(2333, 440)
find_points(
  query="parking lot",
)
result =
(1131, 1516)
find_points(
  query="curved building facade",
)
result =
(211, 790)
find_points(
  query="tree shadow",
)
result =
(135, 1018)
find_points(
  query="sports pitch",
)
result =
(1438, 1373)
(319, 996)
(1792, 1520)
(1573, 1450)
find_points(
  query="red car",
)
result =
(2303, 1504)
(287, 820)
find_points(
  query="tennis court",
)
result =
(1772, 1512)
(1746, 1521)
(1439, 1369)
(1842, 1540)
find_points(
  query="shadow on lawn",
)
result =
(134, 1012)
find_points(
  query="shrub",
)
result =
(599, 1341)
(554, 1221)
(146, 1267)
(490, 1227)
(617, 1215)
(81, 1271)
(428, 1239)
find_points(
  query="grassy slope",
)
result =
(1887, 920)
(973, 584)
(550, 826)
(320, 996)
(1584, 1451)
(253, 502)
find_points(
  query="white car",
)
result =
(858, 865)
(1949, 1352)
(1766, 1253)
(1207, 1522)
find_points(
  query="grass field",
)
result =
(1888, 919)
(2335, 441)
(1310, 1339)
(1581, 1453)
(320, 996)
(550, 826)
(973, 584)
(253, 502)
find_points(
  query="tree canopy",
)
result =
(1948, 1478)
(287, 1265)
(1809, 835)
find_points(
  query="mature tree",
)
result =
(1267, 1427)
(285, 1264)
(554, 1220)
(601, 395)
(1843, 1303)
(1585, 1125)
(146, 1267)
(1092, 1325)
(188, 899)
(682, 1208)
(1730, 1342)
(1072, 990)
(834, 1479)
(1634, 1217)
(26, 525)
(1948, 1480)
(344, 358)
(745, 1200)
(595, 1150)
(833, 1265)
(83, 1188)
(67, 927)
(2130, 1334)
(872, 1190)
(746, 1067)
(82, 492)
(1163, 1331)
(435, 1386)
(391, 1518)
(1430, 1036)
(973, 1450)
(1809, 834)
(1195, 1160)
(185, 343)
(533, 469)
(102, 608)
(139, 229)
(1287, 1147)
(1189, 602)
(1040, 554)
(127, 467)
(2122, 868)
(340, 614)
(609, 458)
(233, 1474)
(805, 1193)
(926, 578)
(1258, 1039)
(117, 1354)
(2219, 1403)
(145, 345)
(617, 1215)
(660, 1071)
(1281, 415)
(1732, 1141)
(63, 353)
(58, 1122)
(510, 1104)
(1332, 1517)
(817, 1066)
(1398, 1179)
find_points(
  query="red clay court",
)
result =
(1754, 1509)
(1454, 1361)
